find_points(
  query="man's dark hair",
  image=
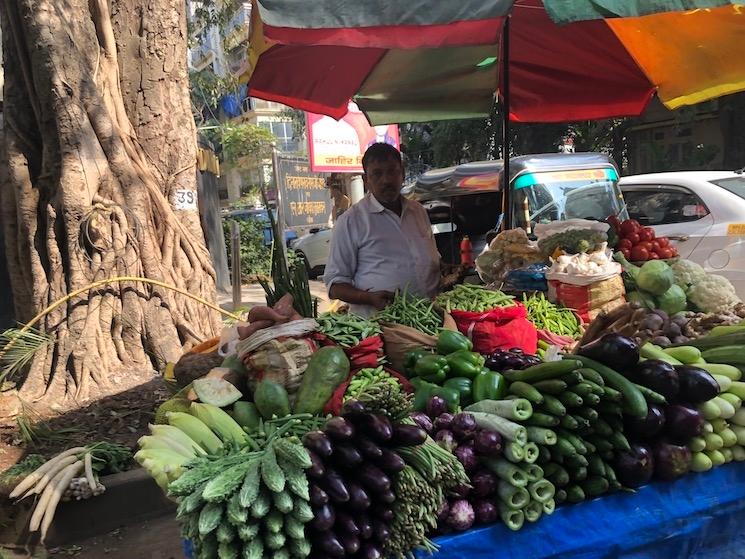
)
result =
(379, 152)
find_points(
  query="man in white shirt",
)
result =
(383, 243)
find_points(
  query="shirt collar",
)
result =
(375, 207)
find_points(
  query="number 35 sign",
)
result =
(184, 199)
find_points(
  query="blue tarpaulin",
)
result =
(700, 516)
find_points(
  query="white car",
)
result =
(314, 249)
(702, 212)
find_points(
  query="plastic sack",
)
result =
(531, 278)
(501, 328)
(400, 340)
(282, 360)
(588, 301)
(333, 406)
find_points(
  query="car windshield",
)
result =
(576, 198)
(735, 185)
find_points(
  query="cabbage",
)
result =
(655, 277)
(644, 299)
(673, 300)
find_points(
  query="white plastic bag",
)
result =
(545, 230)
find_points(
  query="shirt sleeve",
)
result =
(342, 262)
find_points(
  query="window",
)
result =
(284, 133)
(664, 205)
(735, 185)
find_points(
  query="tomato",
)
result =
(654, 256)
(646, 234)
(665, 253)
(624, 243)
(656, 246)
(626, 253)
(633, 237)
(639, 253)
(647, 244)
(663, 241)
(629, 226)
(614, 222)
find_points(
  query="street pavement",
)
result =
(253, 294)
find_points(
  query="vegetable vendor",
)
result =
(384, 242)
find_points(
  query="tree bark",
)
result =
(99, 139)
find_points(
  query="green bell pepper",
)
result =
(412, 357)
(425, 390)
(450, 341)
(489, 385)
(465, 363)
(464, 387)
(450, 395)
(422, 393)
(432, 368)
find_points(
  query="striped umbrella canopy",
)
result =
(421, 60)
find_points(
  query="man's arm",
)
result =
(350, 294)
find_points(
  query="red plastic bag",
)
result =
(333, 406)
(501, 328)
(365, 354)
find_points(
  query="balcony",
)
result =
(236, 30)
(201, 56)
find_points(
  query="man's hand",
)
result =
(380, 299)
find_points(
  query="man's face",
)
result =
(385, 179)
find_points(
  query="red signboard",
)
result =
(337, 146)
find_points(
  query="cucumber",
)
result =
(592, 375)
(729, 354)
(571, 400)
(612, 394)
(587, 413)
(721, 369)
(560, 497)
(708, 342)
(568, 422)
(559, 477)
(651, 351)
(575, 494)
(685, 354)
(597, 466)
(271, 399)
(573, 378)
(553, 406)
(595, 486)
(592, 399)
(609, 408)
(619, 442)
(525, 390)
(542, 420)
(636, 405)
(578, 474)
(551, 386)
(575, 441)
(603, 428)
(543, 371)
(327, 369)
(651, 395)
(565, 448)
(582, 389)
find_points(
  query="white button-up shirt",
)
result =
(374, 249)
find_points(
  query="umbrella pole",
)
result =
(505, 87)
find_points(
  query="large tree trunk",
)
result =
(98, 138)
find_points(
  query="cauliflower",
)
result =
(687, 273)
(713, 293)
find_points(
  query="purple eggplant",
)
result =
(659, 376)
(648, 427)
(671, 461)
(466, 455)
(334, 485)
(408, 435)
(443, 421)
(373, 478)
(318, 497)
(461, 490)
(383, 513)
(352, 407)
(381, 531)
(346, 456)
(368, 448)
(317, 468)
(487, 443)
(330, 545)
(387, 497)
(365, 525)
(461, 516)
(485, 512)
(323, 518)
(346, 524)
(339, 429)
(422, 420)
(370, 551)
(377, 427)
(359, 500)
(696, 384)
(613, 350)
(484, 483)
(436, 406)
(318, 442)
(634, 467)
(390, 462)
(463, 426)
(445, 439)
(682, 423)
(350, 543)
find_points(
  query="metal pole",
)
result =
(505, 88)
(235, 259)
(280, 209)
